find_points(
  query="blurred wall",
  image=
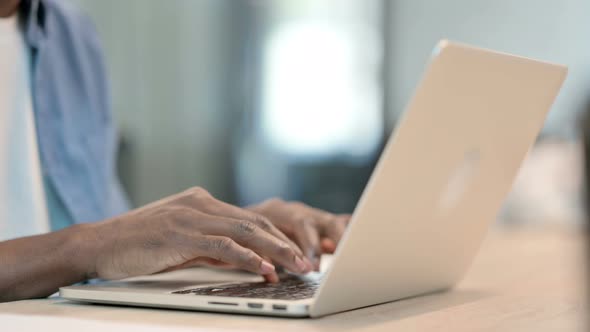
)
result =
(169, 74)
(548, 186)
(181, 84)
(188, 89)
(557, 31)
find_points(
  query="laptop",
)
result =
(439, 183)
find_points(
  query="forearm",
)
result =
(37, 266)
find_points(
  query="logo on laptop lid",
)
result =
(459, 181)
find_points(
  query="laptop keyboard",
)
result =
(290, 287)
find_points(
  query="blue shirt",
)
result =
(71, 102)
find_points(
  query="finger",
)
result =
(333, 229)
(328, 246)
(272, 278)
(344, 218)
(219, 208)
(210, 262)
(249, 235)
(226, 250)
(330, 226)
(268, 226)
(308, 238)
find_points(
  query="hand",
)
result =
(187, 229)
(314, 230)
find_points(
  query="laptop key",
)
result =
(289, 288)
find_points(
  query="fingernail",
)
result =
(266, 268)
(328, 245)
(272, 278)
(301, 266)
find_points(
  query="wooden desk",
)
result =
(522, 280)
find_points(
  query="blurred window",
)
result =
(316, 102)
(321, 92)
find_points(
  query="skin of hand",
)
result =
(187, 229)
(315, 231)
(192, 228)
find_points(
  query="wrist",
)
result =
(81, 247)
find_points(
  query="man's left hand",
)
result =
(315, 231)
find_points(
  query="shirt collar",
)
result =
(34, 14)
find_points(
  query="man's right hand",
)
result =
(186, 229)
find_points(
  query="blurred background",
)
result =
(259, 98)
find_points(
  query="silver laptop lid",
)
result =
(442, 177)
